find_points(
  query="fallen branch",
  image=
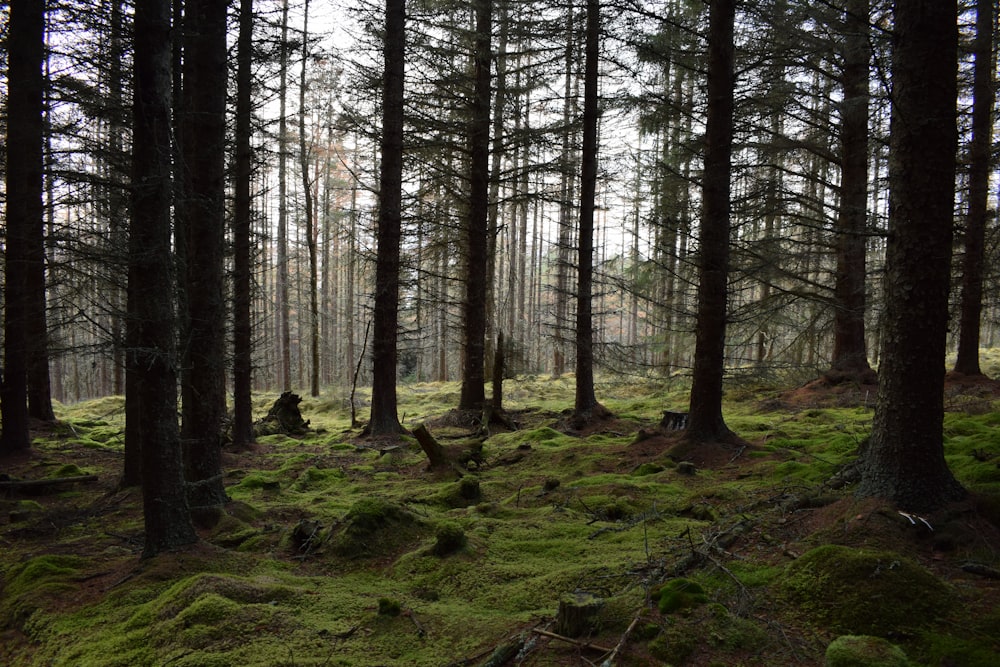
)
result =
(610, 660)
(575, 642)
(40, 485)
(981, 570)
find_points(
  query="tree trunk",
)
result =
(26, 48)
(705, 414)
(473, 394)
(150, 289)
(283, 333)
(904, 460)
(586, 405)
(384, 419)
(850, 352)
(567, 196)
(242, 430)
(307, 190)
(203, 149)
(979, 180)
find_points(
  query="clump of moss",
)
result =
(313, 478)
(864, 651)
(678, 594)
(68, 470)
(674, 645)
(462, 493)
(947, 649)
(374, 526)
(450, 539)
(389, 607)
(857, 591)
(647, 469)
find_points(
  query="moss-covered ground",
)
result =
(337, 550)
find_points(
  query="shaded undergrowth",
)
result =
(339, 551)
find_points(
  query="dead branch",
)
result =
(42, 486)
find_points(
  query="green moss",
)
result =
(449, 539)
(466, 491)
(678, 594)
(68, 470)
(864, 651)
(387, 607)
(947, 649)
(375, 526)
(647, 469)
(28, 587)
(313, 478)
(860, 591)
(260, 480)
(674, 645)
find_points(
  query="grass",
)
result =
(325, 535)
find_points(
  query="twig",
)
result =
(575, 642)
(610, 660)
(421, 632)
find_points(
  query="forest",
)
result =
(617, 332)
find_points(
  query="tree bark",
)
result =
(283, 333)
(203, 149)
(473, 394)
(585, 403)
(151, 288)
(242, 430)
(26, 47)
(705, 422)
(850, 352)
(904, 460)
(970, 313)
(384, 419)
(307, 191)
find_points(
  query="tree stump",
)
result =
(579, 614)
(674, 421)
(283, 417)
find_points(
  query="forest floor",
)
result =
(336, 550)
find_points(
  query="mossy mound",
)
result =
(678, 594)
(238, 590)
(28, 586)
(375, 527)
(857, 591)
(450, 538)
(864, 651)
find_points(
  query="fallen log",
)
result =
(43, 486)
(432, 448)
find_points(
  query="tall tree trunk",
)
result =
(904, 459)
(39, 381)
(586, 405)
(283, 332)
(850, 352)
(473, 393)
(23, 266)
(307, 188)
(497, 158)
(705, 422)
(567, 191)
(203, 149)
(979, 181)
(242, 431)
(151, 288)
(384, 418)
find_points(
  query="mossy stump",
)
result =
(579, 614)
(864, 651)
